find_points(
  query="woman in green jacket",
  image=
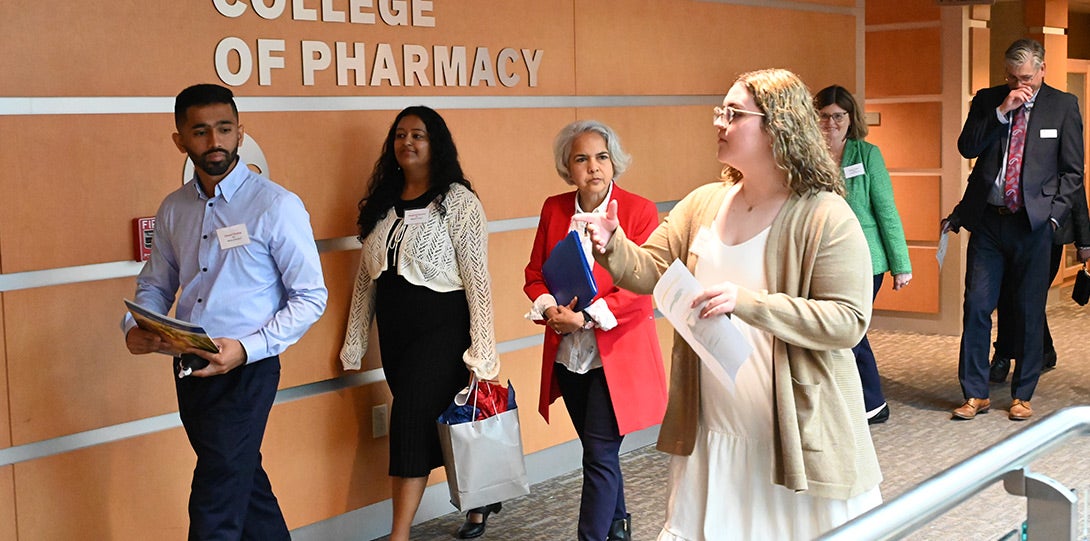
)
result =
(870, 194)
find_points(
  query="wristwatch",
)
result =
(588, 323)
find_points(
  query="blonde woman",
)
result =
(783, 451)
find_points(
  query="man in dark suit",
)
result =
(1027, 139)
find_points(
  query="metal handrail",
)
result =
(942, 492)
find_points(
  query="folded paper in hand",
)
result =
(567, 273)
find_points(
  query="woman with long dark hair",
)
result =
(423, 277)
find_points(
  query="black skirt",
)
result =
(422, 335)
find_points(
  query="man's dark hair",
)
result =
(203, 94)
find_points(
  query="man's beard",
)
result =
(216, 168)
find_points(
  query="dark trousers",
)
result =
(1006, 344)
(587, 398)
(224, 417)
(867, 366)
(1003, 247)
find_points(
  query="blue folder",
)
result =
(567, 273)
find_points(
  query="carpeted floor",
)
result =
(919, 374)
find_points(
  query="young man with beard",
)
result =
(239, 252)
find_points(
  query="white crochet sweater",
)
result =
(445, 253)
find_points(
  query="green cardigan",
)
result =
(817, 307)
(871, 197)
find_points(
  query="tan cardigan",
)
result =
(818, 266)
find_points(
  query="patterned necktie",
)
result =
(1012, 189)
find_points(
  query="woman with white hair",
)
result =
(604, 360)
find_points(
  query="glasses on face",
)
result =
(837, 118)
(728, 113)
(1023, 79)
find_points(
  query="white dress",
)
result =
(724, 489)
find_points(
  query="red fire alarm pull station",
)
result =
(143, 229)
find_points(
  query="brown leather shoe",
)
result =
(971, 407)
(1020, 410)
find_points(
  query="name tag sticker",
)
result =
(416, 216)
(853, 170)
(233, 236)
(1049, 133)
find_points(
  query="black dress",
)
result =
(422, 335)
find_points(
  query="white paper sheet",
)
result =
(940, 254)
(716, 340)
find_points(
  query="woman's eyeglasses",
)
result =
(729, 113)
(837, 118)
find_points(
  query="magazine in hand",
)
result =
(180, 335)
(568, 274)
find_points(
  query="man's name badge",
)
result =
(1049, 133)
(416, 216)
(233, 236)
(854, 170)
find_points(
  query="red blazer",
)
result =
(630, 351)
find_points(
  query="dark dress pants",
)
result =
(1003, 247)
(867, 366)
(1007, 346)
(587, 398)
(224, 417)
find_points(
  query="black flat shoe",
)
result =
(999, 370)
(1050, 360)
(880, 417)
(621, 529)
(471, 529)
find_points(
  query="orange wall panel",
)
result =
(131, 489)
(1046, 12)
(78, 181)
(7, 503)
(980, 51)
(69, 371)
(883, 12)
(321, 456)
(1078, 43)
(904, 62)
(316, 356)
(508, 156)
(672, 148)
(5, 417)
(168, 59)
(700, 47)
(922, 295)
(508, 255)
(917, 200)
(908, 135)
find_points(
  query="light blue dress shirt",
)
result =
(265, 293)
